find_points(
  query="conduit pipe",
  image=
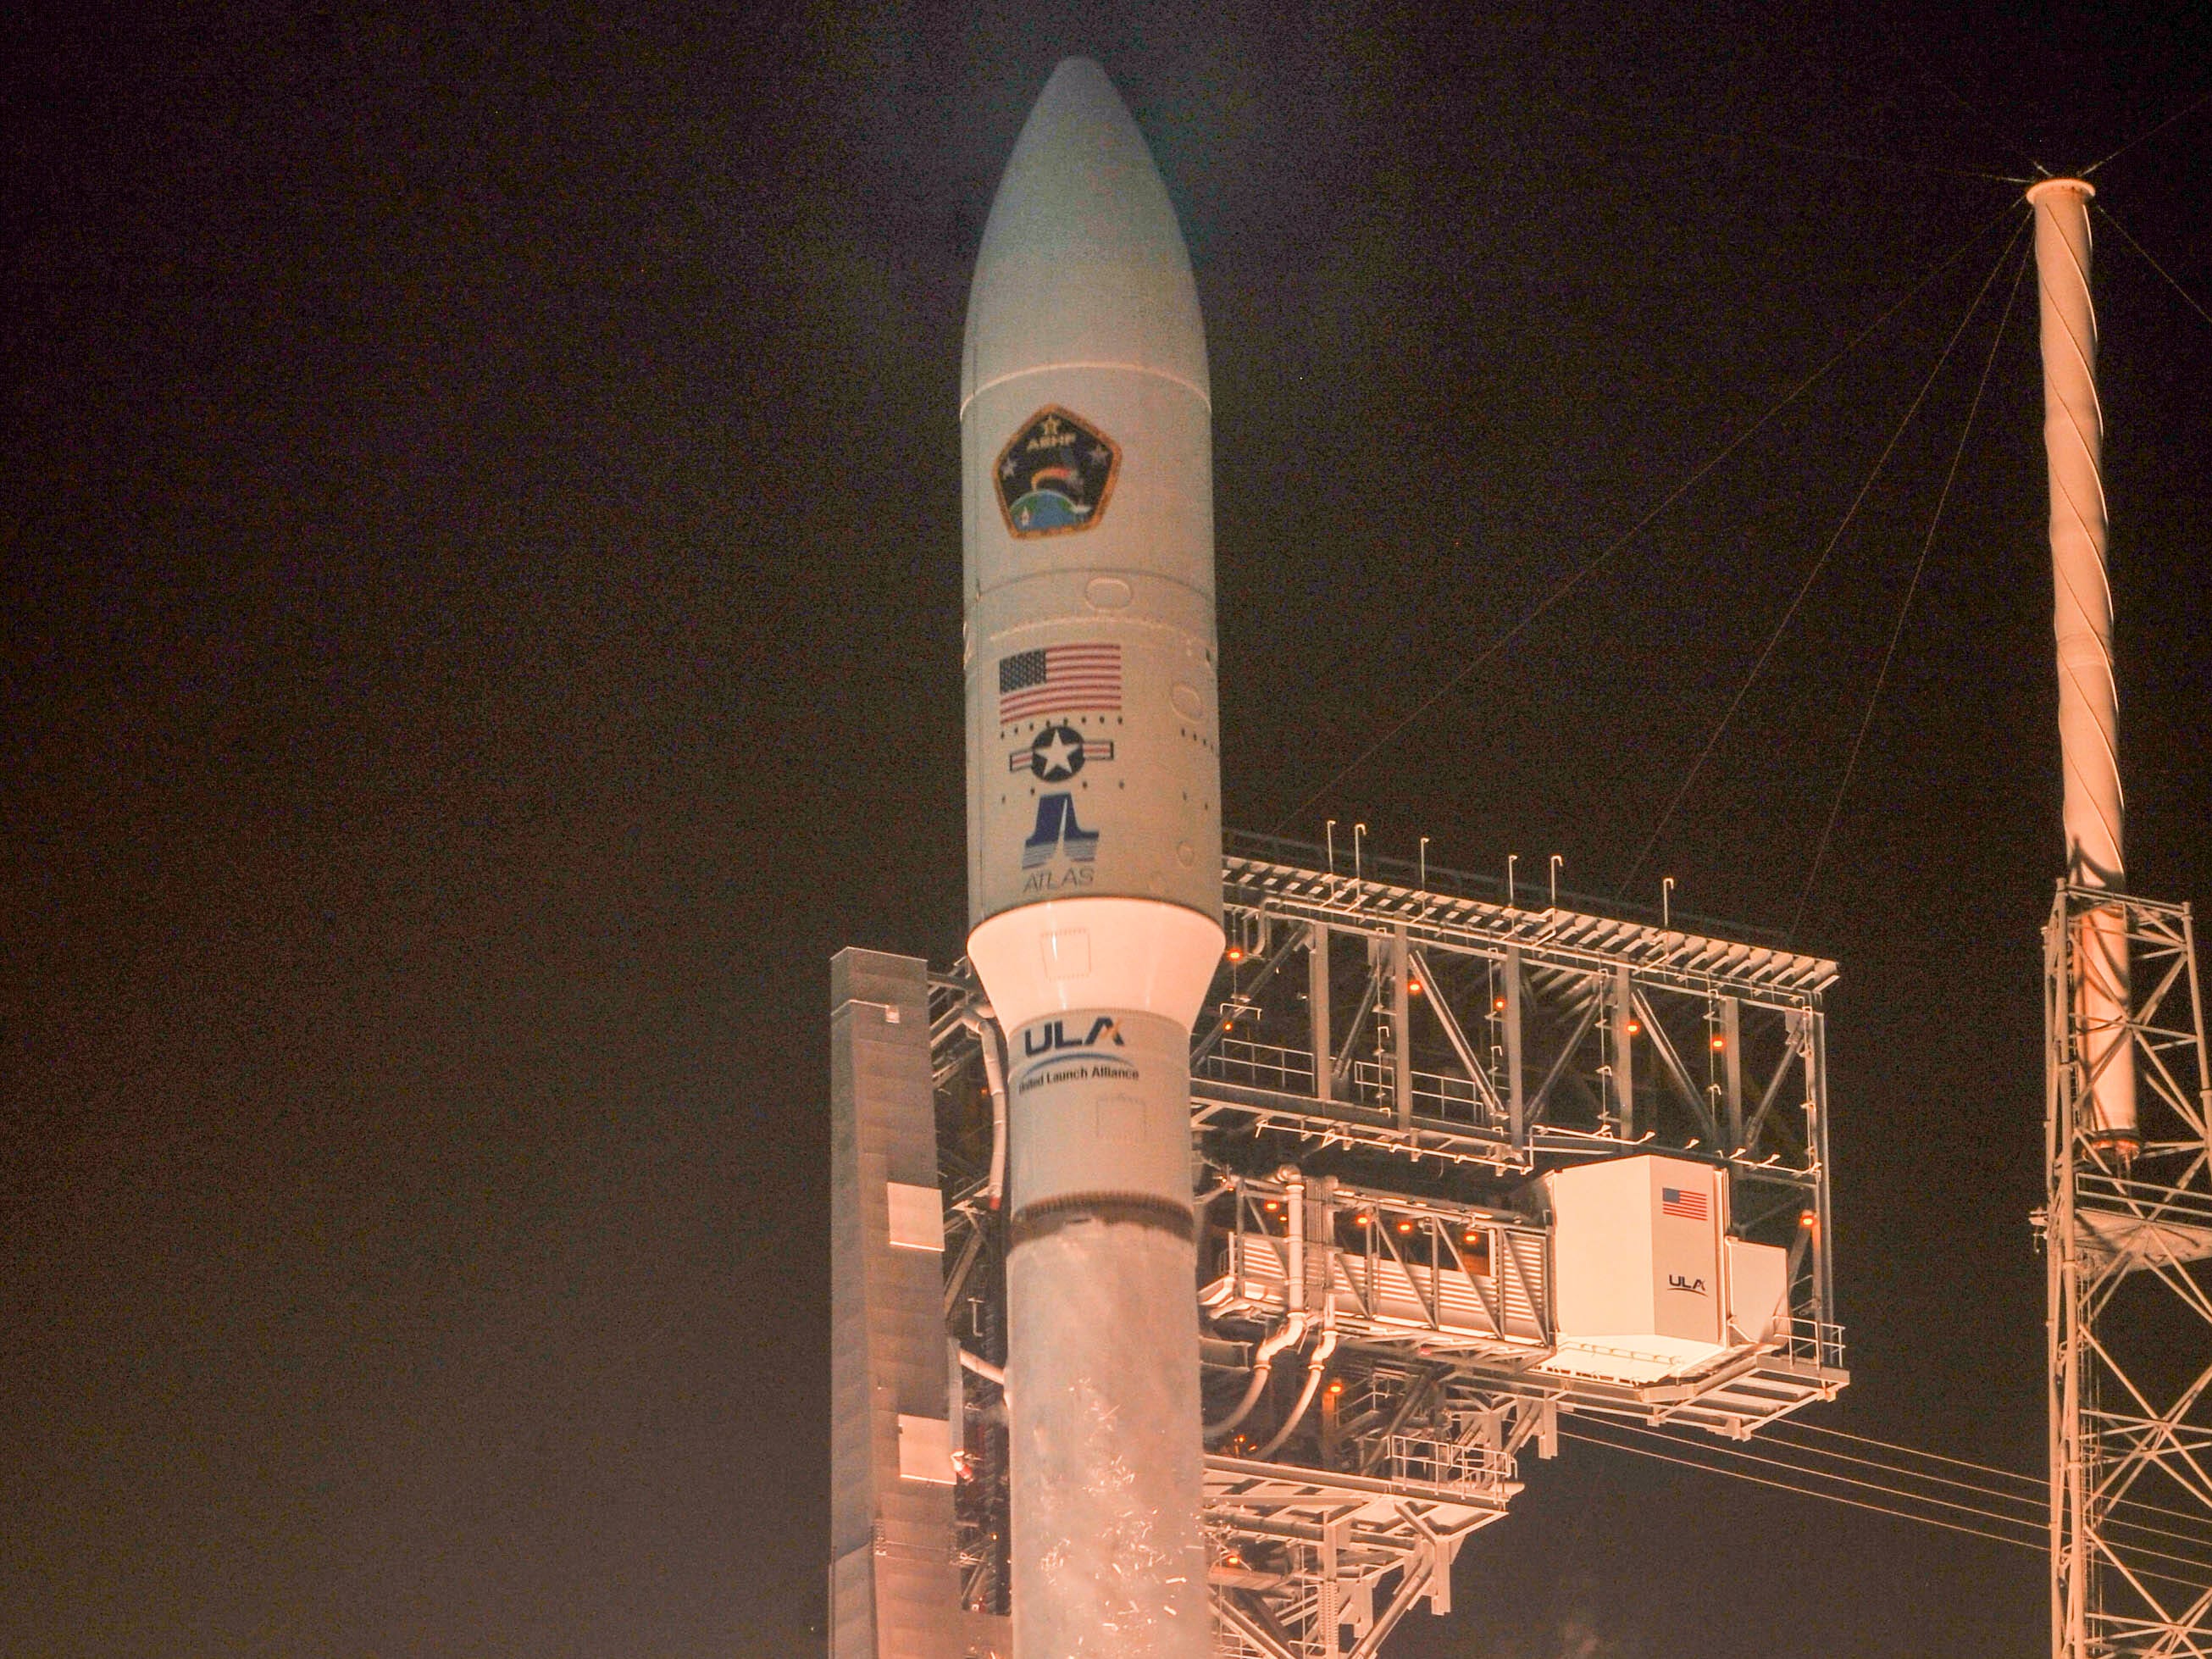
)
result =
(980, 1020)
(1291, 1333)
(1294, 1329)
(1315, 1366)
(984, 1368)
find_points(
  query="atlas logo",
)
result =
(1051, 1036)
(1676, 1282)
(1057, 833)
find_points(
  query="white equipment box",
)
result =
(1646, 1284)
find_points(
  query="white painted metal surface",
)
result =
(1759, 1291)
(1374, 1298)
(917, 1216)
(2088, 702)
(1094, 844)
(1637, 1280)
(925, 1449)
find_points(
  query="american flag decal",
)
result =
(1684, 1202)
(1061, 679)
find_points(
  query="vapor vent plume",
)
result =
(1576, 1636)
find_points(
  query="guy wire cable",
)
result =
(1624, 118)
(2039, 1546)
(2036, 1523)
(1696, 1448)
(1784, 1485)
(1818, 564)
(2189, 108)
(1793, 1424)
(1575, 578)
(2105, 213)
(2037, 1501)
(1920, 67)
(1775, 1435)
(1904, 608)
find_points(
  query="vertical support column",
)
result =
(1335, 1536)
(2090, 1053)
(1401, 1033)
(1816, 1138)
(2070, 1530)
(1517, 1117)
(1324, 1053)
(894, 1593)
(1440, 1553)
(1624, 1062)
(1732, 1070)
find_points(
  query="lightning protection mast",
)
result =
(2128, 1166)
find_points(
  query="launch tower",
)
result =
(1460, 1166)
(1211, 1244)
(2128, 1138)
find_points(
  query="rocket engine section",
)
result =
(1094, 846)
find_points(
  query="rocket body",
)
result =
(1094, 847)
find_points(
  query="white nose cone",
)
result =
(1094, 849)
(1087, 462)
(1082, 259)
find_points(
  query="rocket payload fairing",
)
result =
(1094, 855)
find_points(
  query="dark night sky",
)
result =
(483, 629)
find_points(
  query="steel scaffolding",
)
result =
(1392, 1057)
(2129, 1305)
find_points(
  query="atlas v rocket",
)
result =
(1094, 855)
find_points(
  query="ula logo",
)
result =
(1053, 1036)
(1676, 1282)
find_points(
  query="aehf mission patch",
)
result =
(1055, 474)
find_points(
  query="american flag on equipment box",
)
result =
(1683, 1202)
(1061, 679)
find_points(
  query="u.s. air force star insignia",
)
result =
(1058, 752)
(1055, 475)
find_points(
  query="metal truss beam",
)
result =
(1396, 1064)
(2130, 1306)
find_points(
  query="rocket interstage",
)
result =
(1094, 846)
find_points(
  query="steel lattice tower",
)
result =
(2130, 1305)
(2127, 1165)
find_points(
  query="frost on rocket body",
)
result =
(1111, 1560)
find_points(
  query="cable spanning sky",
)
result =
(483, 626)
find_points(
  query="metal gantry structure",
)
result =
(2128, 1228)
(1391, 1065)
(2128, 1158)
